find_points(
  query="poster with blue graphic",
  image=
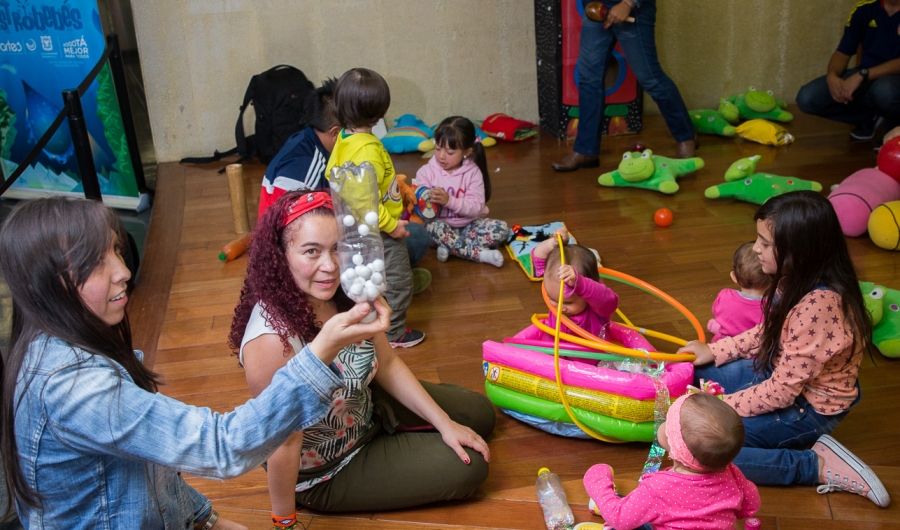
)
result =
(47, 46)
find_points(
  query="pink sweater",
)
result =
(734, 313)
(816, 358)
(670, 500)
(465, 187)
(601, 304)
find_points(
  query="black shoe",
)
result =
(410, 338)
(866, 130)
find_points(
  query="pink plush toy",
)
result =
(859, 194)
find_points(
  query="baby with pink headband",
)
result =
(702, 490)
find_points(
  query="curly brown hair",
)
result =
(269, 280)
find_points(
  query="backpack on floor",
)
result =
(278, 97)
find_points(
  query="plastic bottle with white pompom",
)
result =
(354, 192)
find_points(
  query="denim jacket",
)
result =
(105, 454)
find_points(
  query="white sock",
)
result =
(443, 253)
(494, 257)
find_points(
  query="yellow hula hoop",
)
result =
(559, 385)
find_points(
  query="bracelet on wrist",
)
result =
(284, 523)
(209, 522)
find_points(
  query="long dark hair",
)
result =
(48, 249)
(269, 279)
(810, 250)
(457, 132)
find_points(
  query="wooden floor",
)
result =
(183, 325)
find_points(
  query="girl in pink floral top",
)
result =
(793, 378)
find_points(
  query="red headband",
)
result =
(306, 203)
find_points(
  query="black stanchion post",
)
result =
(118, 75)
(83, 154)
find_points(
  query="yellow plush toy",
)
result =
(764, 132)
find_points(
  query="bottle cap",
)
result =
(542, 471)
(752, 524)
(223, 256)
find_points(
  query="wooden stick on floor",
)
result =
(238, 200)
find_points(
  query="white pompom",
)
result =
(363, 271)
(363, 230)
(357, 289)
(372, 218)
(349, 275)
(377, 278)
(349, 220)
(372, 292)
(357, 259)
(378, 265)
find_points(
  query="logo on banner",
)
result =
(31, 44)
(46, 43)
(11, 47)
(76, 49)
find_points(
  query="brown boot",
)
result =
(575, 161)
(686, 148)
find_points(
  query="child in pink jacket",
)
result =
(459, 181)
(703, 490)
(736, 311)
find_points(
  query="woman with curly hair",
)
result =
(389, 440)
(87, 442)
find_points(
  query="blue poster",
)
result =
(47, 46)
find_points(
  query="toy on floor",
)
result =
(721, 121)
(889, 158)
(650, 172)
(614, 401)
(858, 195)
(754, 104)
(745, 184)
(508, 128)
(525, 238)
(884, 306)
(883, 225)
(234, 249)
(764, 132)
(663, 217)
(408, 133)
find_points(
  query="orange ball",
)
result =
(663, 217)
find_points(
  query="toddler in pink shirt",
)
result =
(587, 301)
(703, 490)
(736, 311)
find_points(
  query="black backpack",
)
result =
(278, 97)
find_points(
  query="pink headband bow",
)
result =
(306, 203)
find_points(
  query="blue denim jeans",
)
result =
(880, 97)
(417, 243)
(776, 445)
(638, 42)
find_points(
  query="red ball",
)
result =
(889, 158)
(663, 217)
(638, 146)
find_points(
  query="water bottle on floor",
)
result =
(557, 514)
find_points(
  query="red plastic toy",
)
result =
(663, 217)
(889, 158)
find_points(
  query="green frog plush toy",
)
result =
(650, 172)
(721, 121)
(743, 183)
(884, 307)
(756, 104)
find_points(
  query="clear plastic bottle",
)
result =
(557, 514)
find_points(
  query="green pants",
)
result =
(409, 468)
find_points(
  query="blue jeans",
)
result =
(776, 445)
(417, 243)
(880, 97)
(638, 42)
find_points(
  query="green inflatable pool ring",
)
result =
(612, 427)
